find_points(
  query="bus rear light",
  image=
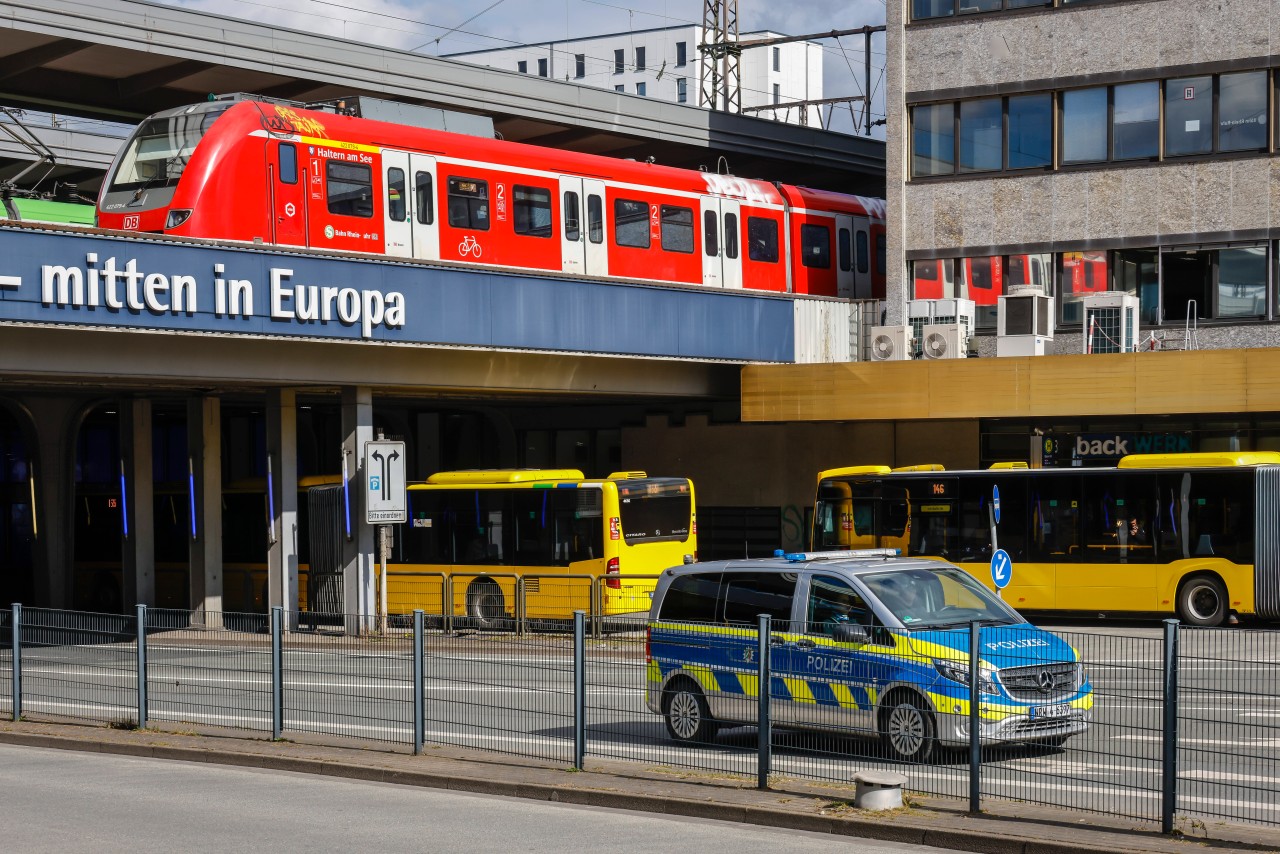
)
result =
(177, 217)
(612, 569)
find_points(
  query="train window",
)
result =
(864, 252)
(815, 246)
(762, 239)
(532, 210)
(677, 229)
(288, 163)
(424, 198)
(730, 236)
(631, 223)
(710, 240)
(882, 254)
(396, 211)
(595, 219)
(844, 250)
(572, 214)
(469, 203)
(350, 188)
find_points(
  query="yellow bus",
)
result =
(1196, 535)
(552, 531)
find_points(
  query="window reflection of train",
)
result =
(246, 170)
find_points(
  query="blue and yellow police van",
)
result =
(861, 643)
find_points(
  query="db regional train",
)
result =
(265, 172)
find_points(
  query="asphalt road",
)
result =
(515, 695)
(70, 802)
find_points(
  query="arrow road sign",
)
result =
(1001, 569)
(384, 483)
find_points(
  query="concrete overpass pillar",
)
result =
(139, 552)
(57, 421)
(204, 444)
(282, 455)
(357, 553)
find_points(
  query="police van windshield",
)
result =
(946, 597)
(160, 148)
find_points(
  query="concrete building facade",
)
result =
(665, 63)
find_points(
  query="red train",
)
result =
(255, 171)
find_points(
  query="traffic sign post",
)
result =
(385, 502)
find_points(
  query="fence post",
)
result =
(579, 689)
(975, 721)
(277, 672)
(419, 692)
(17, 662)
(764, 738)
(142, 667)
(1169, 732)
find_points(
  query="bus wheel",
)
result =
(907, 729)
(1202, 601)
(685, 709)
(484, 604)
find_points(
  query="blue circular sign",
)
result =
(1001, 569)
(995, 502)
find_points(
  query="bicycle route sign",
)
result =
(385, 497)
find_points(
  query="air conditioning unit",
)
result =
(944, 341)
(961, 311)
(919, 315)
(1024, 322)
(890, 343)
(922, 312)
(1110, 322)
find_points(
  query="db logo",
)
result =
(615, 528)
(289, 209)
(131, 223)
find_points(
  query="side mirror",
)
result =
(849, 633)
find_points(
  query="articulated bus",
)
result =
(1196, 535)
(555, 532)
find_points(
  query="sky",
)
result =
(440, 27)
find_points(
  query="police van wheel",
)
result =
(907, 729)
(1202, 601)
(688, 718)
(484, 604)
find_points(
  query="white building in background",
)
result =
(665, 63)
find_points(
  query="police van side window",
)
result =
(691, 599)
(749, 594)
(833, 601)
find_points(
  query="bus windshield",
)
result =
(161, 147)
(946, 597)
(654, 509)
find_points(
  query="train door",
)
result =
(721, 258)
(844, 257)
(288, 196)
(573, 241)
(410, 211)
(597, 248)
(861, 256)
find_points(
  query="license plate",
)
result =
(1057, 710)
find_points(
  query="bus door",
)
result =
(288, 184)
(409, 213)
(573, 239)
(596, 247)
(721, 258)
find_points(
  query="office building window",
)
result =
(639, 59)
(981, 126)
(982, 280)
(522, 66)
(681, 54)
(777, 93)
(619, 61)
(1242, 282)
(619, 88)
(777, 59)
(1030, 135)
(1084, 125)
(1082, 273)
(542, 67)
(921, 9)
(579, 65)
(682, 90)
(1137, 272)
(1242, 111)
(1188, 111)
(640, 88)
(1135, 122)
(934, 279)
(933, 136)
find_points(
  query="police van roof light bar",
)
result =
(799, 557)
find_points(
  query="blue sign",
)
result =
(995, 502)
(1001, 569)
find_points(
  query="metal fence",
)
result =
(1183, 725)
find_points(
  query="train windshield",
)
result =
(160, 148)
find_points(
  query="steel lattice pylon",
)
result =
(721, 76)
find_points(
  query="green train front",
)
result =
(862, 644)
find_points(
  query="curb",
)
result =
(893, 830)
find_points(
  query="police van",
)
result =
(862, 642)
